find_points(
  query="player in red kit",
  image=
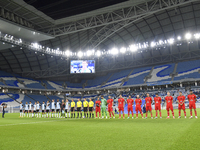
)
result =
(181, 104)
(98, 107)
(169, 101)
(138, 103)
(110, 106)
(192, 100)
(121, 106)
(157, 101)
(130, 106)
(148, 102)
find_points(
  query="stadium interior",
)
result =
(77, 49)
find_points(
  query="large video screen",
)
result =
(82, 66)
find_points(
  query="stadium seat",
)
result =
(161, 73)
(188, 70)
(137, 76)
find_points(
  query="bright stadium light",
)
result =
(145, 45)
(197, 35)
(188, 36)
(153, 44)
(80, 54)
(171, 41)
(98, 53)
(161, 42)
(123, 50)
(133, 48)
(89, 53)
(67, 53)
(114, 51)
(35, 45)
(179, 38)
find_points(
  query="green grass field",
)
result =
(63, 134)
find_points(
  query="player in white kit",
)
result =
(58, 109)
(30, 109)
(26, 109)
(34, 110)
(38, 109)
(67, 108)
(43, 109)
(21, 109)
(53, 104)
(48, 109)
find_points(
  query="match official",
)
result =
(3, 109)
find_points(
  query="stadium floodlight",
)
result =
(153, 44)
(145, 45)
(89, 52)
(98, 53)
(35, 45)
(170, 41)
(139, 46)
(197, 35)
(161, 42)
(133, 48)
(179, 38)
(123, 50)
(80, 54)
(67, 53)
(188, 36)
(114, 51)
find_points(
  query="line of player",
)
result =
(57, 109)
(148, 102)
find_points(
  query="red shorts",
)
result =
(138, 108)
(192, 105)
(130, 109)
(110, 109)
(121, 108)
(169, 107)
(148, 108)
(98, 109)
(157, 107)
(181, 107)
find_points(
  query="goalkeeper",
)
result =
(103, 106)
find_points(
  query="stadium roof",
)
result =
(110, 24)
(65, 8)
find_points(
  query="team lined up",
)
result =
(58, 109)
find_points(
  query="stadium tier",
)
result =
(9, 101)
(188, 70)
(137, 76)
(161, 73)
(94, 83)
(185, 70)
(75, 85)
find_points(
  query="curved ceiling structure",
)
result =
(163, 23)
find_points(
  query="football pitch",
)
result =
(97, 134)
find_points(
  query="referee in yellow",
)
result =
(79, 108)
(85, 108)
(91, 107)
(72, 108)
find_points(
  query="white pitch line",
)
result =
(32, 122)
